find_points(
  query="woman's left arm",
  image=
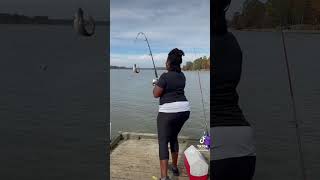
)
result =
(157, 91)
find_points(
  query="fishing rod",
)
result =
(146, 39)
(297, 123)
(202, 100)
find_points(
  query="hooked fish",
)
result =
(135, 69)
(80, 24)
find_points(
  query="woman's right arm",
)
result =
(159, 86)
(157, 91)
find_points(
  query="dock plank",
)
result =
(136, 156)
(139, 159)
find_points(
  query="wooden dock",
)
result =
(136, 156)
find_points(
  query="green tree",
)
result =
(188, 66)
(204, 62)
(197, 64)
(273, 13)
(254, 12)
(235, 22)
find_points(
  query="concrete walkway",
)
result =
(136, 156)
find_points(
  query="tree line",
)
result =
(202, 63)
(273, 14)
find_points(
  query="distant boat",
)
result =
(136, 69)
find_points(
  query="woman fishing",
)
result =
(233, 154)
(174, 111)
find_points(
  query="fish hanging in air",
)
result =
(81, 25)
(136, 69)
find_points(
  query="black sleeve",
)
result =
(162, 81)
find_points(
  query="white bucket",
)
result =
(195, 163)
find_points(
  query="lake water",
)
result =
(265, 100)
(134, 109)
(61, 110)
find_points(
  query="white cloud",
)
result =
(184, 24)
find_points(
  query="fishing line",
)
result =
(202, 100)
(146, 39)
(297, 123)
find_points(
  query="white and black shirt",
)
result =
(173, 98)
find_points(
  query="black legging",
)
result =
(238, 168)
(169, 126)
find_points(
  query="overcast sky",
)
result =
(65, 8)
(99, 9)
(168, 24)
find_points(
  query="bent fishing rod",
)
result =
(297, 123)
(146, 39)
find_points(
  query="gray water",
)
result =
(60, 108)
(134, 109)
(53, 122)
(265, 100)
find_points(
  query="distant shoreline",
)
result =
(97, 23)
(298, 28)
(277, 30)
(17, 19)
(130, 68)
(157, 69)
(198, 70)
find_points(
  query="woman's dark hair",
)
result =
(175, 59)
(219, 16)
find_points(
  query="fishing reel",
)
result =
(155, 81)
